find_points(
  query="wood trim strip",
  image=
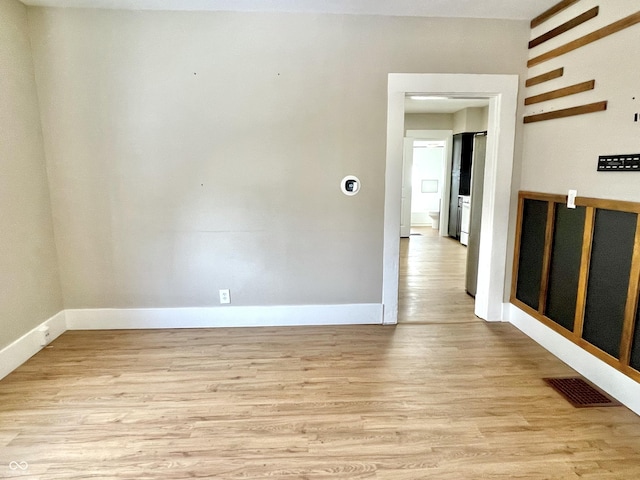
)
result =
(545, 77)
(620, 205)
(606, 204)
(547, 14)
(601, 354)
(631, 372)
(516, 250)
(547, 197)
(546, 258)
(632, 301)
(561, 92)
(585, 40)
(585, 262)
(545, 320)
(565, 27)
(567, 112)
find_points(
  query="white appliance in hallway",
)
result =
(465, 219)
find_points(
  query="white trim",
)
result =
(209, 317)
(615, 383)
(21, 350)
(502, 91)
(25, 347)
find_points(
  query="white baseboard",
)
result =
(616, 384)
(209, 317)
(21, 350)
(18, 352)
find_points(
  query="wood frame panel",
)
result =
(592, 204)
(516, 250)
(610, 29)
(632, 301)
(583, 280)
(565, 27)
(546, 260)
(567, 112)
(561, 92)
(619, 205)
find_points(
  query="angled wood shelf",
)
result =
(561, 92)
(547, 14)
(567, 112)
(603, 32)
(545, 77)
(565, 27)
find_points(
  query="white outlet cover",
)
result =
(225, 296)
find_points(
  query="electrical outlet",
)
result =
(44, 336)
(225, 297)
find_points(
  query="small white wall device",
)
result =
(350, 185)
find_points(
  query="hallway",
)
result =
(432, 280)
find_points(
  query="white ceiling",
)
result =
(511, 9)
(442, 105)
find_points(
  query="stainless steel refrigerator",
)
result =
(475, 223)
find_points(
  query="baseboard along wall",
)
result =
(21, 350)
(25, 347)
(618, 385)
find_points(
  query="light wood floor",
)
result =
(432, 280)
(417, 401)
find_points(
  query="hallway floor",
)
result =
(432, 280)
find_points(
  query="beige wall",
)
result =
(30, 290)
(473, 119)
(484, 119)
(190, 152)
(428, 121)
(562, 154)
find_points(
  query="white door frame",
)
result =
(407, 188)
(502, 91)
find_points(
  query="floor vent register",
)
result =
(580, 393)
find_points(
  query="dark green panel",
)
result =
(534, 225)
(564, 271)
(611, 254)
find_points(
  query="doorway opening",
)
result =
(433, 149)
(436, 275)
(427, 179)
(501, 90)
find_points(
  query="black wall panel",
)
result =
(612, 250)
(564, 270)
(534, 224)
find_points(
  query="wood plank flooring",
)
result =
(414, 401)
(422, 400)
(432, 280)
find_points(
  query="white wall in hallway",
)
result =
(428, 164)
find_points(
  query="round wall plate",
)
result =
(350, 185)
